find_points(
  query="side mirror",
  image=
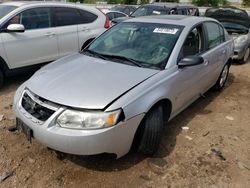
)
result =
(191, 61)
(19, 28)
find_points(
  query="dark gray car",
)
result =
(160, 9)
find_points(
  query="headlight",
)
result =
(241, 39)
(73, 119)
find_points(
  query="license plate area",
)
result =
(25, 129)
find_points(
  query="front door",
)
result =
(38, 44)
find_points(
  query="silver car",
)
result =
(125, 86)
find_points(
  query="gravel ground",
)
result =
(213, 152)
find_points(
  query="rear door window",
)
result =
(66, 16)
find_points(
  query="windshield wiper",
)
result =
(132, 61)
(93, 53)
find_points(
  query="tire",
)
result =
(222, 78)
(246, 56)
(1, 78)
(149, 133)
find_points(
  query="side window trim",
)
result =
(203, 39)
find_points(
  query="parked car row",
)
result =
(114, 90)
(160, 9)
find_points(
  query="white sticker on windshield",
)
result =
(166, 30)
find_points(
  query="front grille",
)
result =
(38, 111)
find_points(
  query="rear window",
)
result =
(6, 9)
(66, 16)
(149, 10)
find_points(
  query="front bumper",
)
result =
(239, 52)
(117, 139)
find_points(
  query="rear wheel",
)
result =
(223, 78)
(1, 78)
(149, 133)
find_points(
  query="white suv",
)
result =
(34, 33)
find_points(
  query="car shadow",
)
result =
(107, 162)
(12, 83)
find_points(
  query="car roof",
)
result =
(170, 5)
(25, 3)
(172, 19)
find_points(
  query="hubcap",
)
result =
(223, 77)
(246, 55)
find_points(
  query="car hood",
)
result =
(86, 82)
(229, 15)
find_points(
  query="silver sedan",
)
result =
(123, 88)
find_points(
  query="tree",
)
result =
(213, 3)
(246, 3)
(171, 1)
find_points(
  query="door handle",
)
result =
(49, 34)
(85, 29)
(206, 62)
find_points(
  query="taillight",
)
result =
(107, 23)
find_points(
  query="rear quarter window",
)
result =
(86, 17)
(214, 34)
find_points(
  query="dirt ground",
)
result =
(213, 152)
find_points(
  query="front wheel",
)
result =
(222, 78)
(149, 133)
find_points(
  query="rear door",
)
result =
(38, 44)
(65, 20)
(216, 50)
(89, 26)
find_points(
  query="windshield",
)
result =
(5, 9)
(148, 10)
(234, 27)
(144, 44)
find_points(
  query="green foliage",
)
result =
(171, 1)
(213, 3)
(246, 3)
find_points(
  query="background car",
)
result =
(237, 24)
(39, 32)
(122, 89)
(126, 9)
(160, 9)
(114, 14)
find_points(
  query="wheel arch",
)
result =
(3, 66)
(167, 109)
